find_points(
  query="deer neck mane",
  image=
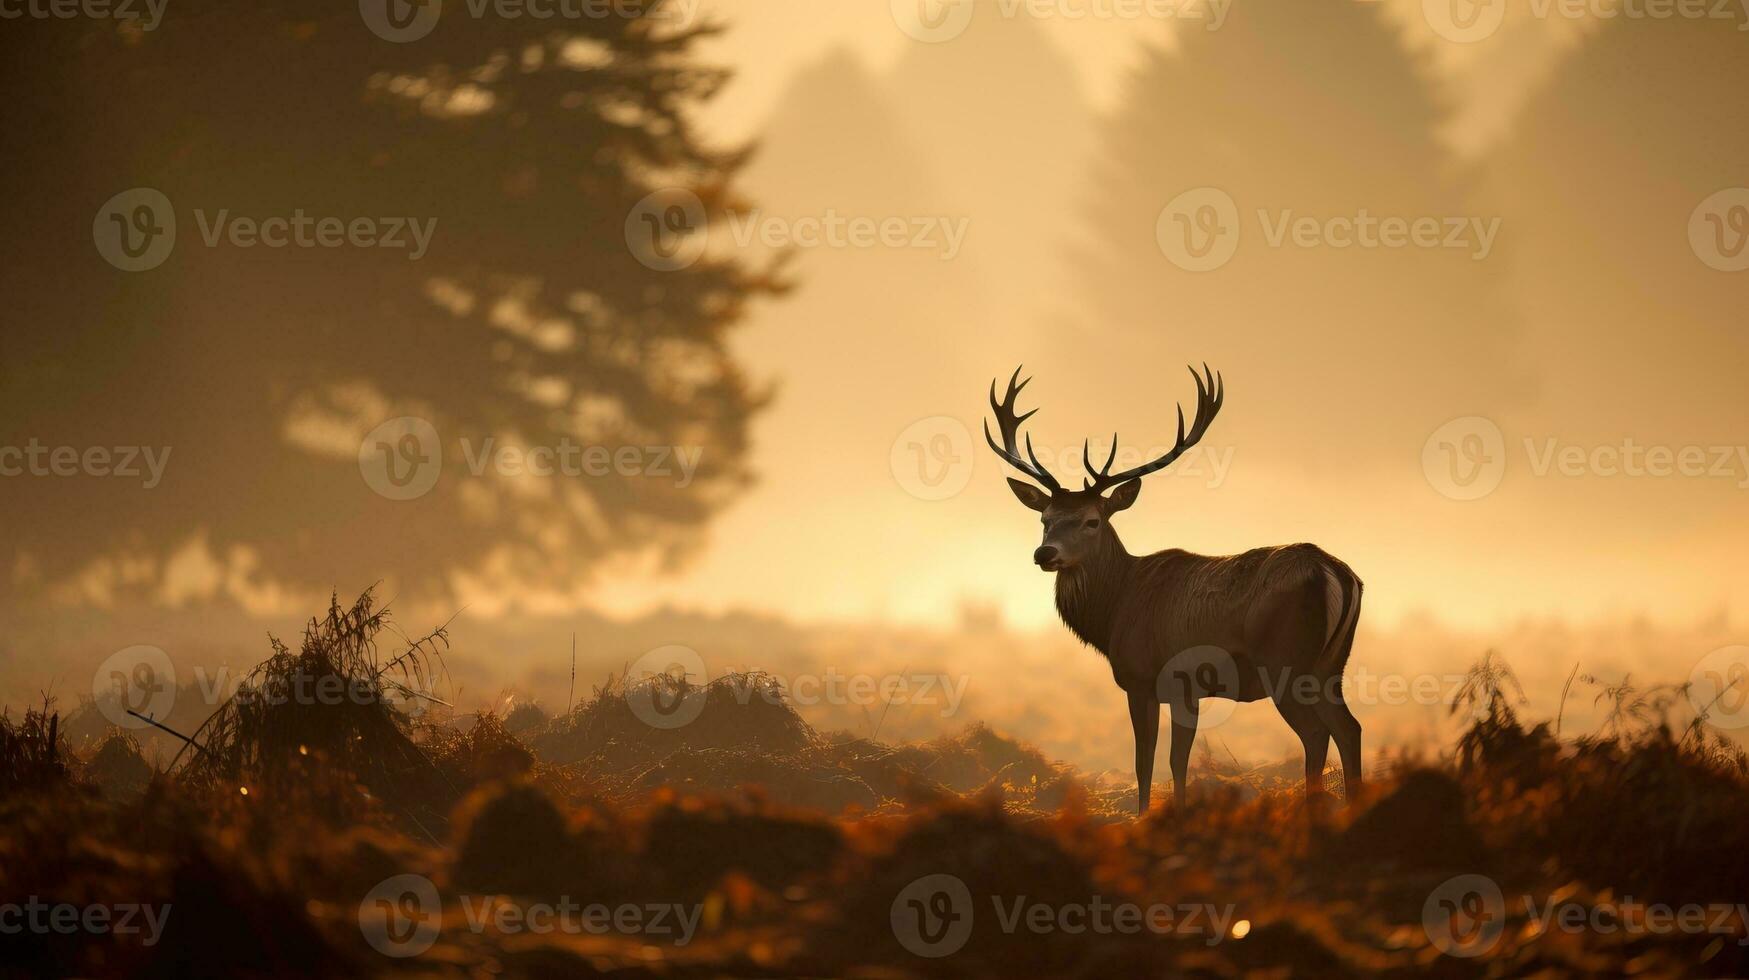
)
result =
(1089, 595)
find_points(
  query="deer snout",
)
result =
(1045, 557)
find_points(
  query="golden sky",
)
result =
(1524, 431)
(872, 344)
(1022, 187)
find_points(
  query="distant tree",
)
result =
(1605, 172)
(866, 334)
(1293, 109)
(1000, 114)
(528, 320)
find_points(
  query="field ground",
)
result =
(349, 840)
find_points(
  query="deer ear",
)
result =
(1123, 496)
(1029, 495)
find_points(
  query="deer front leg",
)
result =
(1145, 721)
(1183, 734)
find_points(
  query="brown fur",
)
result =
(1177, 627)
(1283, 619)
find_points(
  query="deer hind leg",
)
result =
(1183, 735)
(1345, 728)
(1145, 720)
(1291, 633)
(1314, 737)
(1332, 708)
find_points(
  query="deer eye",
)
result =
(1090, 523)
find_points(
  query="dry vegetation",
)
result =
(792, 845)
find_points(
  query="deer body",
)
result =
(1178, 627)
(1139, 611)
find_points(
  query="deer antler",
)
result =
(1009, 423)
(1210, 392)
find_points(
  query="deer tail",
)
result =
(1342, 616)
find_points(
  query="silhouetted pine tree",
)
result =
(1602, 175)
(1334, 356)
(528, 320)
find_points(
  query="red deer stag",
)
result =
(1177, 627)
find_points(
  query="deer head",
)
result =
(1077, 522)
